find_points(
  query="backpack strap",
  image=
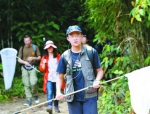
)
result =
(34, 48)
(22, 52)
(90, 53)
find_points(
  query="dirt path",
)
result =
(18, 105)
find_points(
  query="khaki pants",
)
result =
(30, 79)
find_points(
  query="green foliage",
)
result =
(127, 52)
(1, 67)
(114, 63)
(38, 31)
(111, 21)
(35, 29)
(117, 61)
(103, 22)
(17, 89)
(115, 95)
(115, 98)
(48, 19)
(128, 56)
(147, 61)
(40, 81)
(141, 11)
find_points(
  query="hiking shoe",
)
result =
(57, 109)
(36, 99)
(49, 109)
(28, 103)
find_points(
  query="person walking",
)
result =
(28, 55)
(48, 65)
(75, 64)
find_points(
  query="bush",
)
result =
(17, 89)
(115, 98)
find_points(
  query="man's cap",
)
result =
(73, 29)
(49, 43)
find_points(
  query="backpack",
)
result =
(34, 48)
(90, 52)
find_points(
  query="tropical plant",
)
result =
(127, 51)
(141, 11)
(38, 31)
(115, 98)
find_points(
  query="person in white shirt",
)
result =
(48, 65)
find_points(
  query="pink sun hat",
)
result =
(49, 43)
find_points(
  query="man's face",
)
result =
(27, 41)
(75, 38)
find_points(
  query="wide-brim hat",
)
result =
(48, 44)
(73, 29)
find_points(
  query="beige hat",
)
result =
(48, 44)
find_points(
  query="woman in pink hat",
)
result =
(48, 65)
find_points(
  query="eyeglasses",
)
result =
(74, 36)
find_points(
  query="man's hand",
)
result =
(26, 63)
(96, 84)
(60, 96)
(30, 59)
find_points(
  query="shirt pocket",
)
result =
(90, 79)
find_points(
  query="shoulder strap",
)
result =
(22, 52)
(34, 48)
(90, 52)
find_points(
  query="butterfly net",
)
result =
(8, 56)
(139, 86)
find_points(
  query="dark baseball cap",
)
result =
(73, 29)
